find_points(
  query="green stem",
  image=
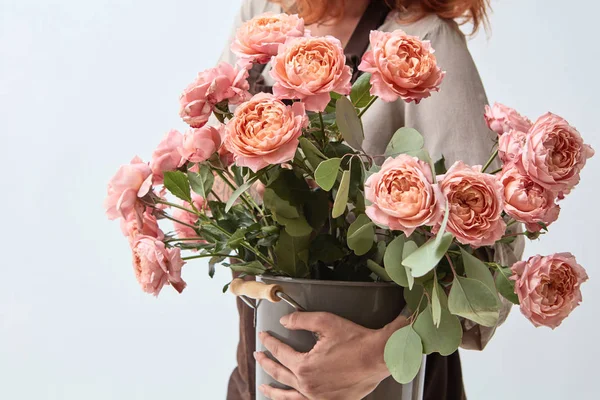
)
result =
(322, 123)
(183, 240)
(178, 206)
(511, 223)
(179, 222)
(369, 104)
(496, 171)
(209, 255)
(489, 162)
(216, 196)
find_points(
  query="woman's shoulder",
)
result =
(430, 27)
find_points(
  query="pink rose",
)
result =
(264, 131)
(183, 231)
(200, 144)
(403, 195)
(309, 69)
(132, 181)
(510, 145)
(475, 201)
(502, 119)
(155, 265)
(554, 154)
(166, 157)
(147, 225)
(526, 201)
(548, 287)
(224, 82)
(401, 66)
(259, 38)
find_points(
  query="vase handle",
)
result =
(255, 290)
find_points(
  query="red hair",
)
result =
(463, 11)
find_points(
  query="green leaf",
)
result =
(212, 262)
(392, 260)
(202, 182)
(436, 306)
(427, 257)
(361, 235)
(280, 207)
(440, 234)
(409, 248)
(348, 123)
(250, 268)
(440, 166)
(327, 172)
(405, 140)
(237, 238)
(238, 192)
(444, 339)
(506, 286)
(326, 248)
(476, 269)
(360, 94)
(403, 354)
(316, 209)
(178, 184)
(378, 270)
(289, 252)
(294, 226)
(381, 247)
(341, 198)
(311, 152)
(473, 300)
(415, 298)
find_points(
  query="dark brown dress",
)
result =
(443, 375)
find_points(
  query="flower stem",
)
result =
(496, 171)
(364, 110)
(209, 255)
(489, 162)
(178, 206)
(167, 216)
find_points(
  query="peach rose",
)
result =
(259, 38)
(526, 201)
(264, 131)
(502, 119)
(147, 225)
(166, 157)
(510, 145)
(475, 201)
(401, 66)
(554, 154)
(224, 82)
(183, 231)
(309, 69)
(132, 181)
(403, 195)
(548, 287)
(198, 145)
(156, 266)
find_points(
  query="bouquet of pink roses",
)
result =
(305, 200)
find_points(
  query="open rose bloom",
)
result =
(279, 184)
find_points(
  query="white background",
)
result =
(85, 85)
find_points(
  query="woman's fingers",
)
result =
(281, 351)
(280, 394)
(275, 370)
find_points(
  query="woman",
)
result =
(347, 363)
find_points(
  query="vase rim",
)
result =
(326, 282)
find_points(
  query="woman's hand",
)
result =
(346, 363)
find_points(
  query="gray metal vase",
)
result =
(372, 305)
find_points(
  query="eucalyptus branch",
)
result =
(451, 265)
(367, 106)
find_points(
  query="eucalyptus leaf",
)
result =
(445, 338)
(415, 297)
(427, 257)
(381, 248)
(178, 184)
(440, 166)
(202, 182)
(405, 140)
(474, 301)
(341, 198)
(436, 306)
(378, 270)
(361, 235)
(440, 234)
(360, 94)
(403, 354)
(506, 286)
(392, 260)
(327, 172)
(311, 152)
(409, 248)
(348, 123)
(476, 269)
